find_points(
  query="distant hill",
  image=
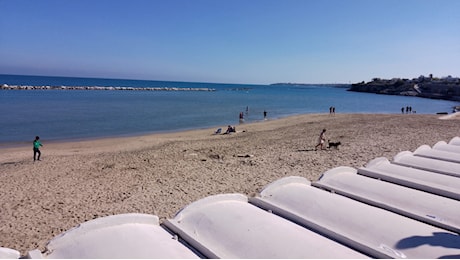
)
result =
(447, 88)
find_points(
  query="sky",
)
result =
(231, 41)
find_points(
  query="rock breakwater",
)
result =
(107, 88)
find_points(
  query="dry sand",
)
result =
(160, 174)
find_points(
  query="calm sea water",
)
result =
(80, 114)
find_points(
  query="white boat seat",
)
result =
(348, 221)
(443, 146)
(455, 141)
(118, 236)
(426, 151)
(227, 226)
(443, 185)
(408, 159)
(8, 253)
(426, 207)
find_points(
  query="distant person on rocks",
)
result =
(37, 145)
(265, 114)
(321, 140)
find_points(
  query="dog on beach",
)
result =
(333, 144)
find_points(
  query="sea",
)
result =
(61, 115)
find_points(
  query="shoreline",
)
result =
(25, 144)
(161, 173)
(19, 144)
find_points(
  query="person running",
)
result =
(37, 145)
(321, 140)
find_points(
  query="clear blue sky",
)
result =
(231, 41)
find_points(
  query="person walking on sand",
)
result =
(321, 140)
(37, 145)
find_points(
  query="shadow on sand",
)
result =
(306, 150)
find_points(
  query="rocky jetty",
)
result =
(447, 88)
(23, 87)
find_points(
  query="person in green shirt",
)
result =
(37, 145)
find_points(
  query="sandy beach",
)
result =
(161, 173)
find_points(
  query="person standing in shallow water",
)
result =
(37, 145)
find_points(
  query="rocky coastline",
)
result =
(447, 88)
(24, 87)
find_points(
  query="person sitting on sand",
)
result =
(36, 147)
(321, 139)
(230, 129)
